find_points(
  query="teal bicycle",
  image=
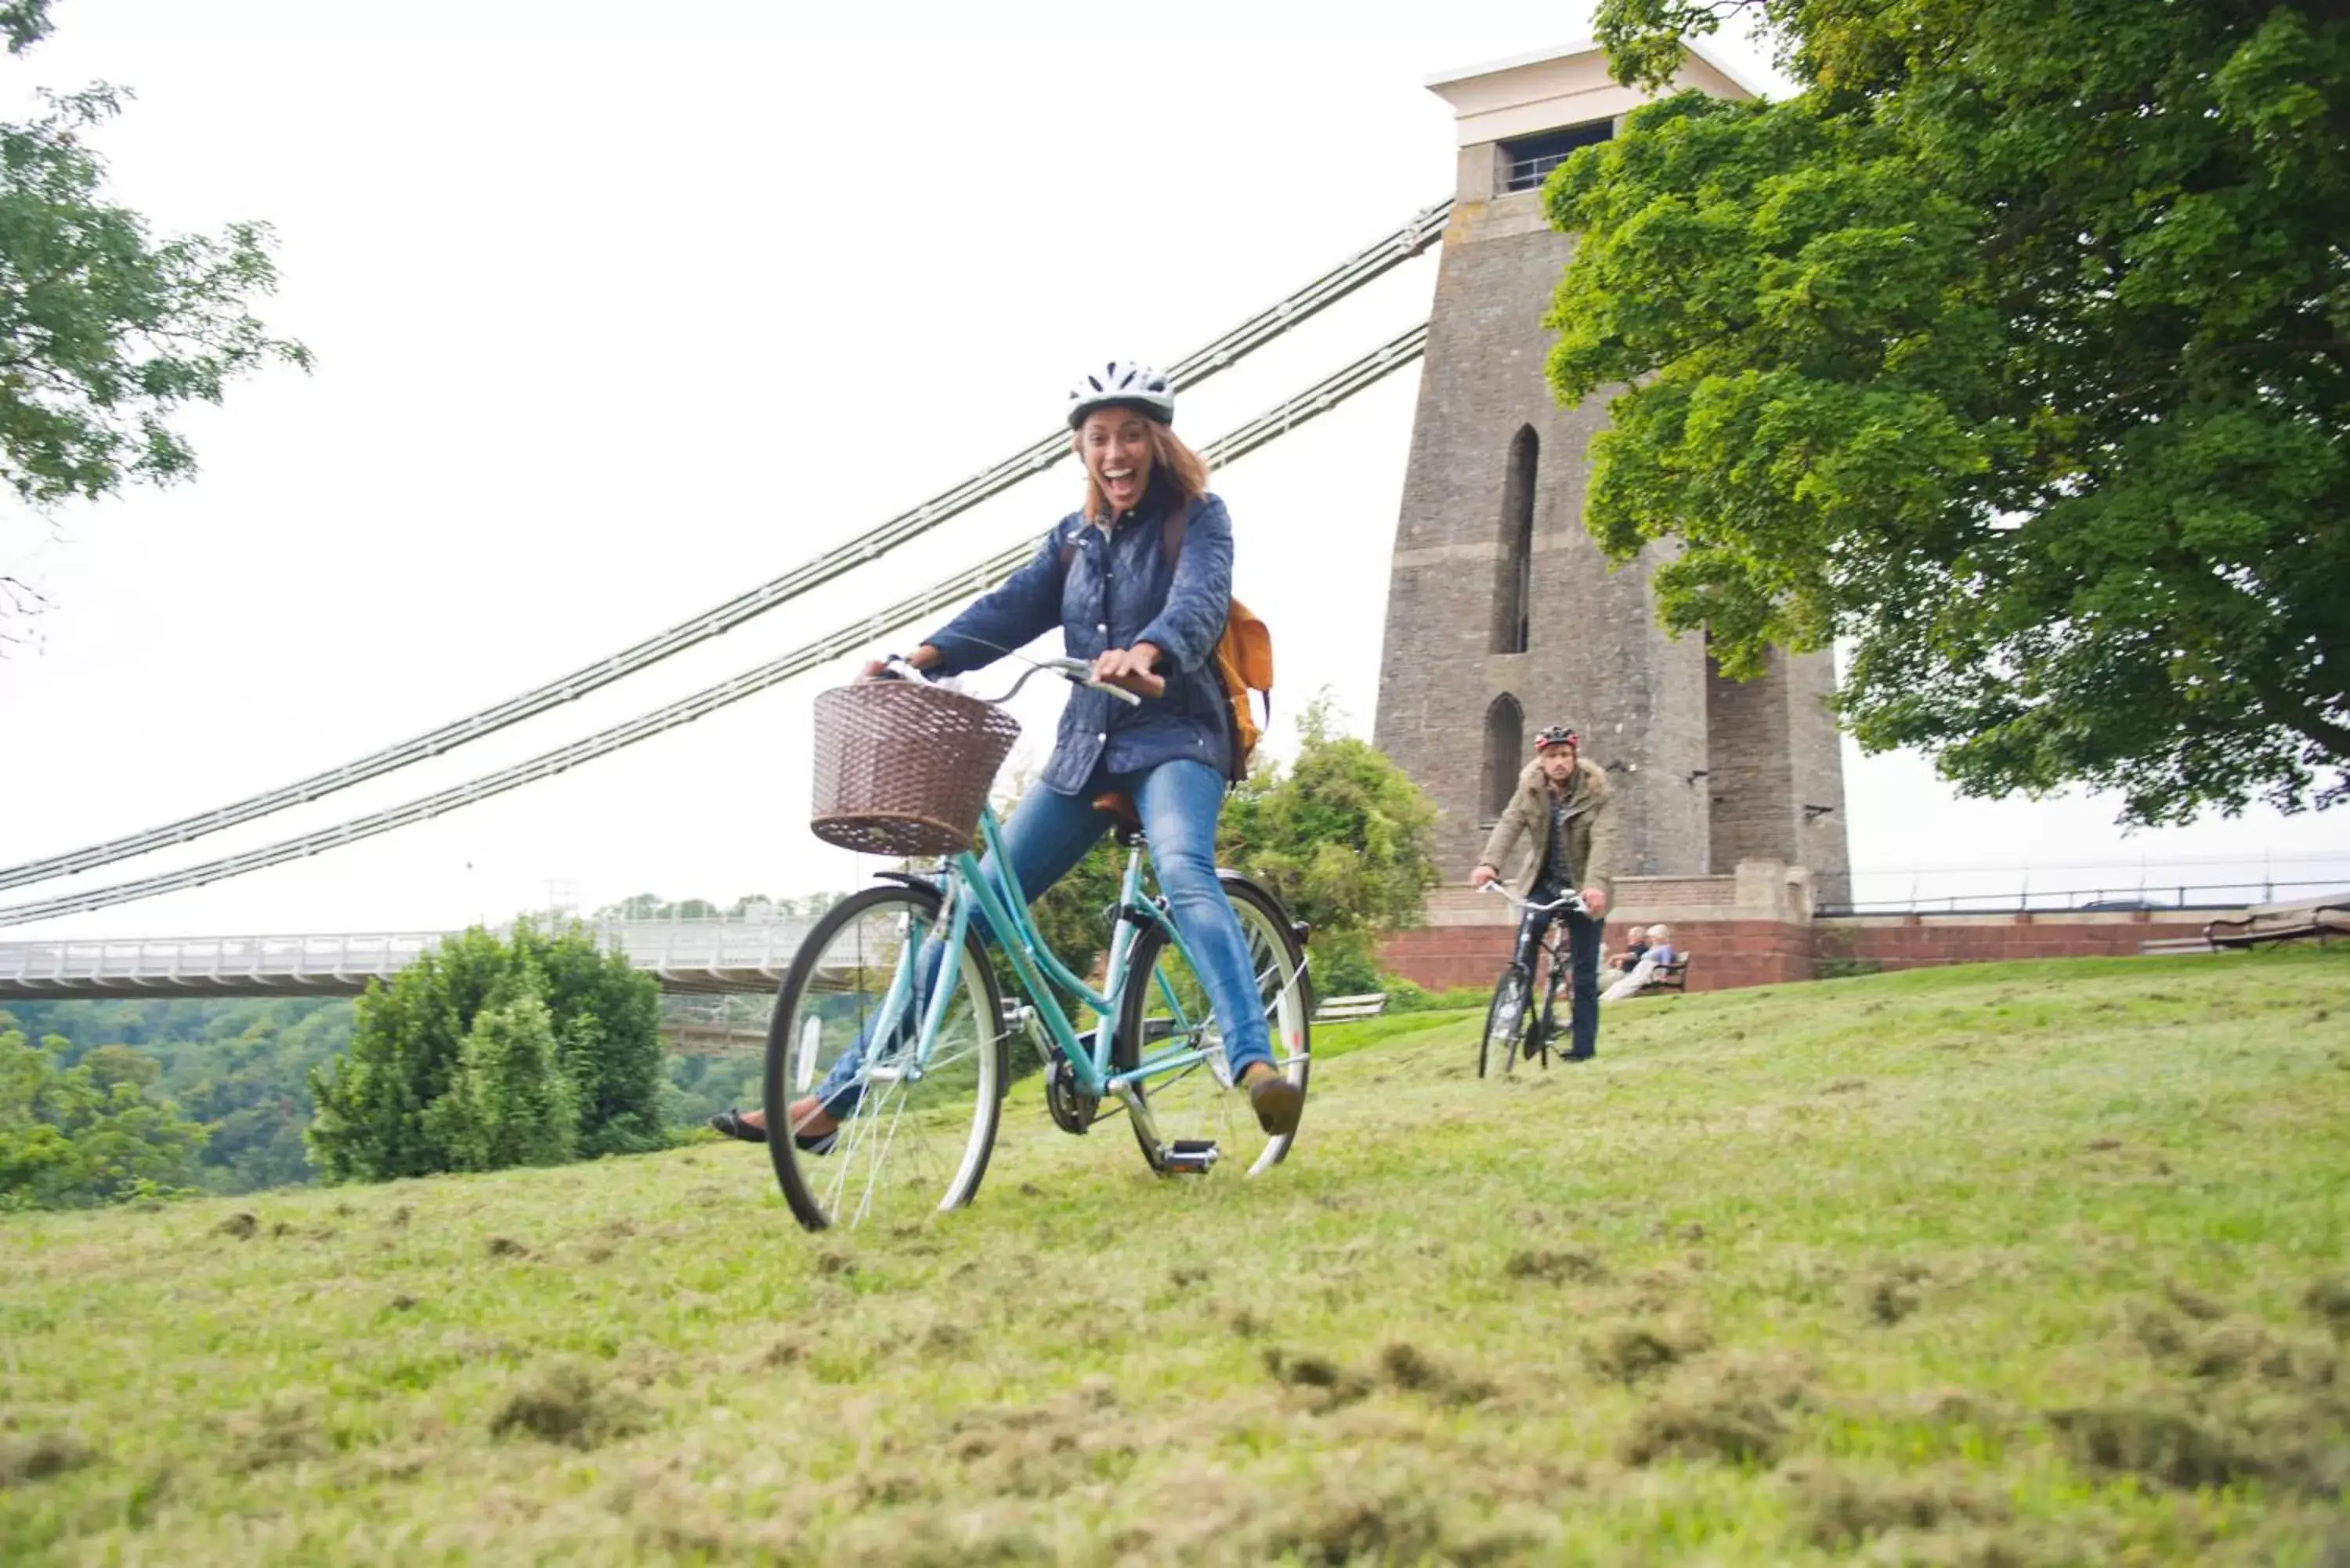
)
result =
(892, 1013)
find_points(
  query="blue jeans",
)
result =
(1049, 832)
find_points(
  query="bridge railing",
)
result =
(184, 962)
(706, 954)
(686, 955)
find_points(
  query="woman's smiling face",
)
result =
(1115, 443)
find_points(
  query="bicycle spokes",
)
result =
(915, 1110)
(1189, 1117)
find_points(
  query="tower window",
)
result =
(1527, 162)
(1506, 729)
(1514, 581)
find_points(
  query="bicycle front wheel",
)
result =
(1164, 1016)
(916, 1125)
(1505, 1022)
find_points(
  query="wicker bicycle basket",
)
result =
(902, 769)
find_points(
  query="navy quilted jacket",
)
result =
(1118, 588)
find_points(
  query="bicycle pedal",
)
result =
(1189, 1156)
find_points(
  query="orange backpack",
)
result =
(1244, 658)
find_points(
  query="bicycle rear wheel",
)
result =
(1508, 1018)
(914, 1135)
(1165, 1012)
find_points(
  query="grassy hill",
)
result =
(2021, 1263)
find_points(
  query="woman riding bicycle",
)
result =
(1149, 618)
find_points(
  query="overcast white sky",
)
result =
(620, 309)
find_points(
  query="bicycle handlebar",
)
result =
(1075, 672)
(1572, 903)
(1080, 672)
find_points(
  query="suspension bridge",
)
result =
(687, 956)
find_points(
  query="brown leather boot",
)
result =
(1276, 1101)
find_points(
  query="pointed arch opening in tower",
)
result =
(1505, 731)
(1513, 588)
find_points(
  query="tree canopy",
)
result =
(1344, 836)
(485, 1054)
(95, 1132)
(238, 1067)
(2014, 350)
(105, 330)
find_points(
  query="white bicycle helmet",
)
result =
(1122, 383)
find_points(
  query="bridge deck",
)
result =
(684, 955)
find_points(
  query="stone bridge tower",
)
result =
(1502, 616)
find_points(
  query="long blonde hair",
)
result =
(1185, 470)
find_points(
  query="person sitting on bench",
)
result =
(1658, 953)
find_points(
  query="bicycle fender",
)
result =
(909, 879)
(1226, 874)
(1231, 878)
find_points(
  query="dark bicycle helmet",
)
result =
(1556, 735)
(1122, 384)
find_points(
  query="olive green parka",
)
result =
(1521, 838)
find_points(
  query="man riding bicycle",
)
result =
(1557, 835)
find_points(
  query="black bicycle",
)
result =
(1515, 1030)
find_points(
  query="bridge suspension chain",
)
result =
(1365, 266)
(1326, 395)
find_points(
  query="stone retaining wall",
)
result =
(1755, 927)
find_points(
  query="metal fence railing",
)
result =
(1834, 896)
(684, 955)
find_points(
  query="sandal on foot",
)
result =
(730, 1122)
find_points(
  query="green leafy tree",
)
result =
(379, 1113)
(372, 1123)
(106, 331)
(2015, 350)
(607, 1018)
(1346, 839)
(240, 1067)
(512, 1100)
(89, 1134)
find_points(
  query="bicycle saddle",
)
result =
(1125, 822)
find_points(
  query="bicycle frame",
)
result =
(1040, 972)
(1554, 942)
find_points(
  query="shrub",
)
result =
(485, 1054)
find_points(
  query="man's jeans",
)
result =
(1049, 832)
(1583, 964)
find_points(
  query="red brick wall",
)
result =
(1441, 957)
(1990, 938)
(1730, 953)
(1727, 953)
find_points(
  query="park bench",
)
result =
(1673, 976)
(2196, 944)
(2319, 920)
(1348, 1009)
(2287, 924)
